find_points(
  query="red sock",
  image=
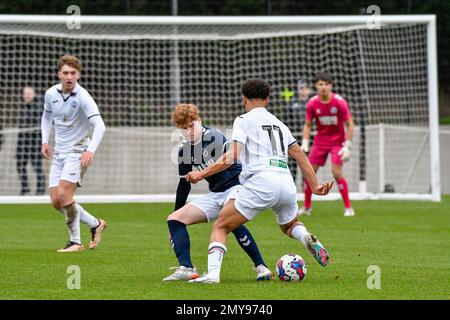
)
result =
(343, 189)
(308, 194)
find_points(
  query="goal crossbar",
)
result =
(220, 20)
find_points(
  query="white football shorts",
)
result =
(268, 190)
(65, 166)
(212, 202)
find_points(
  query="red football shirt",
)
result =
(330, 118)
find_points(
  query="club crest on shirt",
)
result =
(73, 104)
(318, 111)
(333, 110)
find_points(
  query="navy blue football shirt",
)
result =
(204, 153)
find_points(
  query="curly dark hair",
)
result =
(255, 89)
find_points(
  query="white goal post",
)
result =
(138, 67)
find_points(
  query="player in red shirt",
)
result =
(334, 135)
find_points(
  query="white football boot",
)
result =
(205, 278)
(304, 211)
(263, 273)
(71, 247)
(349, 212)
(182, 273)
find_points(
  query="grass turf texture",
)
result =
(408, 240)
(444, 120)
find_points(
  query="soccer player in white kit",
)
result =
(73, 112)
(263, 143)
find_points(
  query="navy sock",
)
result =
(246, 241)
(180, 242)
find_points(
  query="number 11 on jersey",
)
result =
(270, 131)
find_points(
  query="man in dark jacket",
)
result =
(29, 141)
(294, 117)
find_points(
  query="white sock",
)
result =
(300, 233)
(73, 222)
(216, 251)
(87, 218)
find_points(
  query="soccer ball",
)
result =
(291, 267)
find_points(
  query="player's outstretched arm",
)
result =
(223, 163)
(308, 172)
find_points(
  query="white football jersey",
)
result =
(266, 141)
(71, 117)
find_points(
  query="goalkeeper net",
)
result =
(137, 69)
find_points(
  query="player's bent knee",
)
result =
(54, 198)
(55, 203)
(221, 224)
(64, 197)
(287, 228)
(337, 173)
(227, 225)
(284, 229)
(223, 228)
(188, 215)
(218, 224)
(173, 216)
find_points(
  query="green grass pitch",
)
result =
(408, 241)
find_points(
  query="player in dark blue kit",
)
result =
(202, 146)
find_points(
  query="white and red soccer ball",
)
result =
(291, 267)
